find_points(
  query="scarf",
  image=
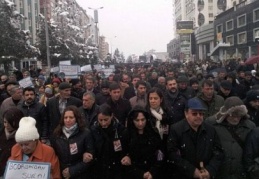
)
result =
(69, 131)
(9, 135)
(158, 115)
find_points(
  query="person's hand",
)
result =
(87, 157)
(126, 161)
(197, 174)
(66, 173)
(147, 175)
(205, 174)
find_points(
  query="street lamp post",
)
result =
(47, 35)
(111, 47)
(96, 23)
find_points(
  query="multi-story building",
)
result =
(103, 48)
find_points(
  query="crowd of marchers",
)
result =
(183, 121)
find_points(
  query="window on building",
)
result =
(256, 33)
(210, 1)
(230, 40)
(229, 25)
(29, 22)
(241, 38)
(21, 3)
(241, 20)
(256, 15)
(29, 8)
(219, 28)
(210, 8)
(210, 14)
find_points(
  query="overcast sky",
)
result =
(139, 25)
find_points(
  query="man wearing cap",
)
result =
(57, 104)
(28, 147)
(252, 104)
(184, 88)
(194, 149)
(104, 94)
(225, 89)
(232, 125)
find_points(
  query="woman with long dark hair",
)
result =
(144, 146)
(7, 135)
(73, 145)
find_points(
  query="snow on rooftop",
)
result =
(65, 13)
(9, 3)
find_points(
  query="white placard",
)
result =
(86, 68)
(98, 67)
(19, 169)
(71, 71)
(66, 62)
(107, 71)
(26, 82)
(54, 69)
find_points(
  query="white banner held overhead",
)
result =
(26, 82)
(66, 62)
(19, 169)
(86, 68)
(71, 71)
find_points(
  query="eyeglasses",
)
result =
(196, 113)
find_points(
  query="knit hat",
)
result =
(232, 105)
(252, 95)
(64, 85)
(27, 130)
(226, 85)
(182, 79)
(74, 81)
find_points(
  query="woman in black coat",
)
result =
(11, 123)
(144, 146)
(110, 147)
(73, 144)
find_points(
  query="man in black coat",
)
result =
(120, 107)
(90, 109)
(194, 149)
(30, 107)
(57, 104)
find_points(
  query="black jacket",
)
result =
(107, 161)
(120, 109)
(251, 154)
(54, 115)
(129, 92)
(82, 140)
(186, 149)
(90, 116)
(101, 98)
(176, 105)
(38, 112)
(145, 150)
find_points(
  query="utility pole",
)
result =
(47, 35)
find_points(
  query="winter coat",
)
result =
(82, 141)
(42, 153)
(251, 154)
(38, 112)
(129, 92)
(101, 98)
(232, 167)
(213, 106)
(53, 112)
(186, 149)
(188, 93)
(145, 150)
(90, 116)
(253, 113)
(120, 109)
(107, 161)
(5, 150)
(176, 106)
(7, 104)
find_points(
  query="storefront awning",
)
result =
(215, 50)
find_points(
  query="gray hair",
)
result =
(91, 94)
